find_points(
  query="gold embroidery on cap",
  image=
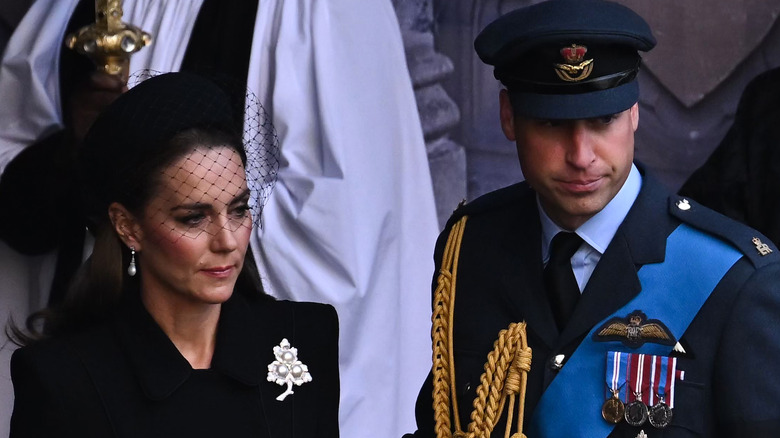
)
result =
(575, 68)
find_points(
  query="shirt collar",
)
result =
(599, 230)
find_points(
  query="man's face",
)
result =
(576, 166)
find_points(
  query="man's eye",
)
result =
(548, 123)
(606, 120)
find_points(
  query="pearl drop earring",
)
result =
(131, 270)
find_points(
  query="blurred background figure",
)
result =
(741, 179)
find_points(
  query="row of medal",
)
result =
(640, 389)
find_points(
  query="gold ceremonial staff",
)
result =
(109, 42)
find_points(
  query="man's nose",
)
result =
(580, 152)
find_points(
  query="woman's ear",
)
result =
(125, 225)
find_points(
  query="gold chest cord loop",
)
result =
(506, 369)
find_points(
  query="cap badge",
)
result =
(762, 247)
(575, 69)
(287, 369)
(634, 330)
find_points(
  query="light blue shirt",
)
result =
(597, 232)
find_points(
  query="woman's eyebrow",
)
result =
(192, 206)
(243, 196)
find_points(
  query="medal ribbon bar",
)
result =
(616, 373)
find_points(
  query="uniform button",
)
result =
(556, 363)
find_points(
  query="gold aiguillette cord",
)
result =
(506, 369)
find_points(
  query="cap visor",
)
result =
(575, 106)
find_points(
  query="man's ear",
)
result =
(634, 113)
(507, 115)
(125, 225)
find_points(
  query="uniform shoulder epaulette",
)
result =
(754, 245)
(497, 199)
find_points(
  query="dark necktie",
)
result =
(562, 289)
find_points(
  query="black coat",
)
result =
(731, 385)
(127, 379)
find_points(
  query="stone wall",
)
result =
(438, 112)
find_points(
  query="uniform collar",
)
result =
(599, 230)
(161, 369)
(639, 240)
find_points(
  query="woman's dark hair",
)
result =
(122, 160)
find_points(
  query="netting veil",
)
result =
(195, 154)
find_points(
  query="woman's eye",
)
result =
(192, 219)
(241, 211)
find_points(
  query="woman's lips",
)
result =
(219, 271)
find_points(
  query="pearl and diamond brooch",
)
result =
(287, 369)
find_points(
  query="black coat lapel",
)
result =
(641, 239)
(245, 348)
(613, 284)
(246, 343)
(523, 289)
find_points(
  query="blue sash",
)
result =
(673, 292)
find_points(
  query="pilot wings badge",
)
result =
(634, 330)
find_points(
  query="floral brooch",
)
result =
(287, 369)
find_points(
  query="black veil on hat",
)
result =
(128, 137)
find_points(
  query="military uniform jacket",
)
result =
(732, 357)
(127, 379)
